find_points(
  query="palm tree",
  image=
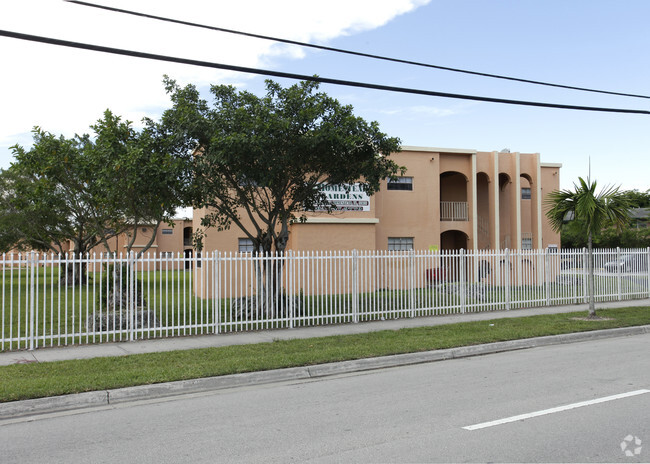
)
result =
(595, 210)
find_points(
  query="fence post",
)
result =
(214, 291)
(290, 290)
(355, 286)
(585, 276)
(507, 278)
(619, 271)
(648, 271)
(547, 277)
(412, 281)
(32, 297)
(463, 281)
(130, 306)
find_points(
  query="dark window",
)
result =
(167, 231)
(246, 245)
(525, 193)
(400, 183)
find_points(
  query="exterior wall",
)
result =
(550, 174)
(487, 184)
(411, 213)
(339, 235)
(163, 243)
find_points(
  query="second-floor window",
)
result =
(525, 193)
(400, 183)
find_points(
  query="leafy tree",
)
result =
(24, 224)
(84, 190)
(610, 237)
(637, 199)
(594, 210)
(574, 232)
(142, 183)
(56, 175)
(263, 161)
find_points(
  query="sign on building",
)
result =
(346, 197)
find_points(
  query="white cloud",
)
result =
(64, 90)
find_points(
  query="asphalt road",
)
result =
(437, 412)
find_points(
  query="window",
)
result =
(167, 231)
(526, 243)
(400, 243)
(246, 245)
(525, 193)
(400, 183)
(246, 182)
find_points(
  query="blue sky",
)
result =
(588, 43)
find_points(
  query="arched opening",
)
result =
(526, 209)
(187, 254)
(453, 196)
(505, 213)
(187, 236)
(483, 210)
(453, 240)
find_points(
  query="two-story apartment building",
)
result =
(447, 199)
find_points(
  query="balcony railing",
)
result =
(453, 211)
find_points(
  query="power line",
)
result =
(350, 52)
(324, 80)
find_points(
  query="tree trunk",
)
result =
(590, 281)
(73, 271)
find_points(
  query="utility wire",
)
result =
(324, 80)
(350, 52)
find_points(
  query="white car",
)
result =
(628, 263)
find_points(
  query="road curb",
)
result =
(24, 408)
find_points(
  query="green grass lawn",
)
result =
(57, 378)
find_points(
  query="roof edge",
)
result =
(467, 151)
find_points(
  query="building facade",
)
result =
(447, 199)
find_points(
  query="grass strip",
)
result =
(25, 381)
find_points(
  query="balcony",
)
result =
(453, 211)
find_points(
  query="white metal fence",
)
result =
(59, 300)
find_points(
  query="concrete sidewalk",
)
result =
(243, 338)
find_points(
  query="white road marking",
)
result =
(554, 410)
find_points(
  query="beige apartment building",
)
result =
(170, 241)
(448, 199)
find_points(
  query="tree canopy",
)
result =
(574, 232)
(637, 199)
(263, 160)
(86, 190)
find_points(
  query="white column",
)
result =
(517, 194)
(539, 202)
(497, 199)
(474, 205)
